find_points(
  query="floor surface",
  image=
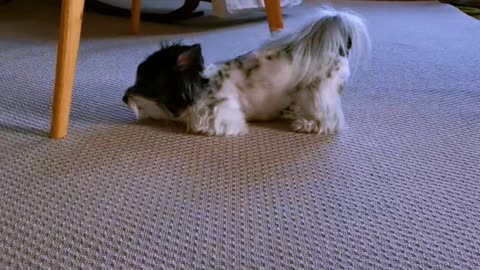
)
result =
(399, 189)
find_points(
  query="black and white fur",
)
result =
(298, 74)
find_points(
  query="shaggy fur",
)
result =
(299, 75)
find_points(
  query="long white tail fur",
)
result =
(323, 38)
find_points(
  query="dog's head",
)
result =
(167, 82)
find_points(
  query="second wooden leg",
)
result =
(136, 11)
(274, 15)
(67, 54)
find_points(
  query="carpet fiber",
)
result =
(399, 189)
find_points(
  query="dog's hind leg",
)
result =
(319, 111)
(318, 103)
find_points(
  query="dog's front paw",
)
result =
(312, 126)
(229, 122)
(221, 127)
(230, 127)
(223, 120)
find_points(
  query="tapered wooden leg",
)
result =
(274, 15)
(136, 11)
(67, 54)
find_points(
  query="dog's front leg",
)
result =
(217, 117)
(229, 119)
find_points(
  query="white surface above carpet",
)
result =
(220, 8)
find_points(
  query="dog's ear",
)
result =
(190, 58)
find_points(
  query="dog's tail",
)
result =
(327, 35)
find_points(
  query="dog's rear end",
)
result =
(323, 55)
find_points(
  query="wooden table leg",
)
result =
(67, 54)
(136, 11)
(274, 15)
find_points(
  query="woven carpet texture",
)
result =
(399, 189)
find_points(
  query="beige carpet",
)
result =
(400, 189)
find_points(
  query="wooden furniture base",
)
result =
(69, 42)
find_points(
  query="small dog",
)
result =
(298, 75)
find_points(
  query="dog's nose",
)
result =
(127, 94)
(125, 99)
